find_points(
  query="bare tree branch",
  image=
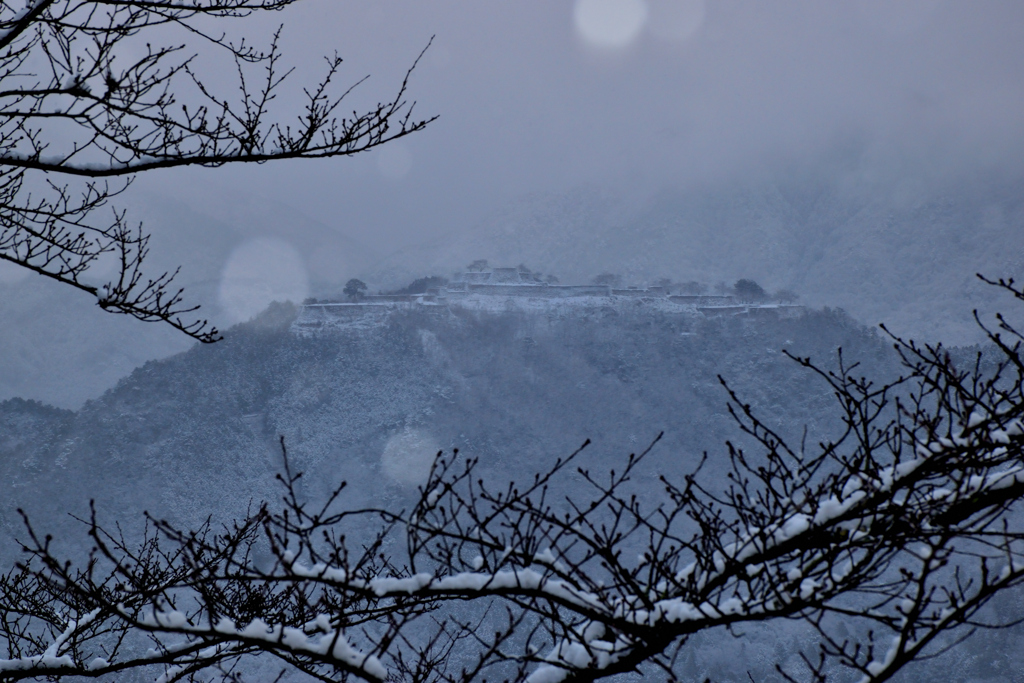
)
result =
(77, 99)
(888, 541)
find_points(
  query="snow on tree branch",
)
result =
(884, 540)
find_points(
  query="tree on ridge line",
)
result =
(83, 96)
(887, 541)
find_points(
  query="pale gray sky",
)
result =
(547, 96)
(541, 95)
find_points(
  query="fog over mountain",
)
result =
(900, 253)
(897, 254)
(865, 155)
(622, 206)
(237, 254)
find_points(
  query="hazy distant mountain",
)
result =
(196, 433)
(902, 252)
(58, 347)
(199, 224)
(898, 253)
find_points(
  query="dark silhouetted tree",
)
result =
(355, 289)
(748, 290)
(422, 284)
(527, 275)
(665, 283)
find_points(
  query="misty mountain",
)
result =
(58, 347)
(200, 224)
(904, 253)
(901, 252)
(197, 434)
(370, 402)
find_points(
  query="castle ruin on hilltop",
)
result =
(502, 289)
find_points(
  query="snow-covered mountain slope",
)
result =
(197, 433)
